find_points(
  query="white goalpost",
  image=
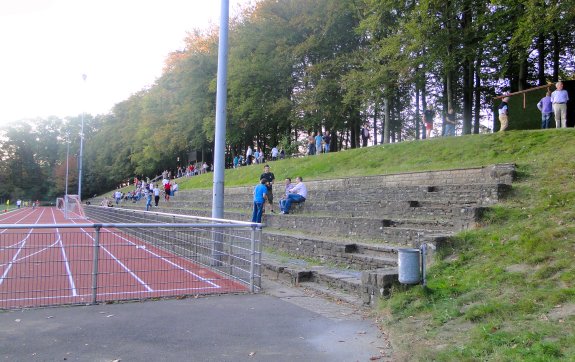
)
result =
(71, 206)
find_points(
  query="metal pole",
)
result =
(252, 258)
(221, 98)
(84, 76)
(96, 260)
(220, 133)
(66, 193)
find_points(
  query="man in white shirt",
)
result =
(275, 153)
(559, 98)
(296, 194)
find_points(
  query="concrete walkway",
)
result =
(282, 324)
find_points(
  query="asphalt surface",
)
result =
(281, 324)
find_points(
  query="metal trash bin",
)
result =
(409, 265)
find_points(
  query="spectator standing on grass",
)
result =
(257, 156)
(261, 155)
(318, 140)
(546, 107)
(156, 192)
(260, 197)
(249, 153)
(504, 114)
(167, 191)
(275, 153)
(270, 178)
(282, 154)
(148, 199)
(175, 188)
(326, 142)
(364, 136)
(117, 196)
(311, 144)
(296, 194)
(236, 161)
(450, 123)
(428, 121)
(559, 98)
(18, 203)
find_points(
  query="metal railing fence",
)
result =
(96, 262)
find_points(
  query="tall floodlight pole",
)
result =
(221, 97)
(220, 136)
(66, 191)
(84, 76)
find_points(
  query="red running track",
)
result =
(40, 267)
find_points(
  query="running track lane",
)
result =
(54, 266)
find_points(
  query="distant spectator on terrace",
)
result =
(546, 107)
(249, 154)
(167, 191)
(297, 194)
(257, 155)
(326, 141)
(175, 188)
(260, 196)
(156, 192)
(450, 123)
(261, 156)
(311, 144)
(275, 153)
(282, 154)
(365, 136)
(148, 196)
(428, 120)
(504, 114)
(117, 196)
(236, 161)
(559, 98)
(318, 140)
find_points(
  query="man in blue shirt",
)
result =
(260, 197)
(546, 108)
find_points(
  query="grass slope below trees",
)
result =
(502, 292)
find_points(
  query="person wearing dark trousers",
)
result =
(260, 196)
(270, 178)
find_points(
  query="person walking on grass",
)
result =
(156, 192)
(148, 199)
(260, 197)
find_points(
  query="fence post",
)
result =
(252, 259)
(96, 260)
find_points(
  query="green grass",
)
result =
(505, 292)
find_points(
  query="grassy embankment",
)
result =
(502, 292)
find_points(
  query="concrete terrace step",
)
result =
(344, 284)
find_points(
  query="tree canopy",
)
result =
(297, 67)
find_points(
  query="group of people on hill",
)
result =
(553, 105)
(318, 143)
(149, 191)
(263, 192)
(257, 156)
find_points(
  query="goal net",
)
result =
(71, 206)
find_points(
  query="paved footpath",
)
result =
(281, 324)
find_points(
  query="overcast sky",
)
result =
(121, 45)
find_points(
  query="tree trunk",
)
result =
(467, 95)
(541, 59)
(417, 116)
(375, 123)
(477, 102)
(423, 102)
(387, 119)
(556, 53)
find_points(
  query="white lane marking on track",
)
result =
(66, 263)
(128, 270)
(168, 261)
(15, 257)
(15, 222)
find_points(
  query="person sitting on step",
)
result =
(296, 195)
